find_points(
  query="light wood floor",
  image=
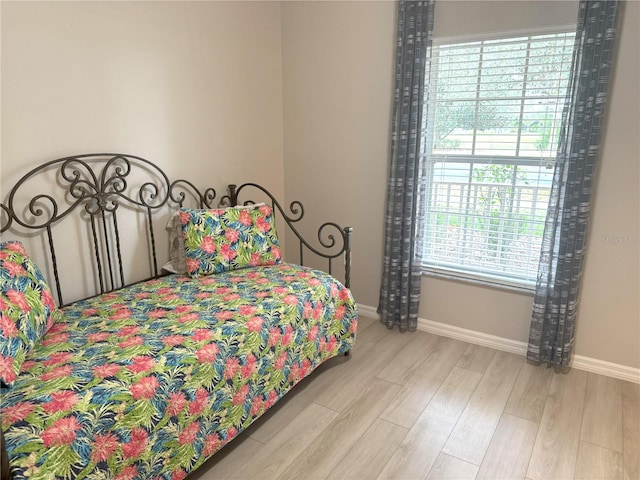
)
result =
(419, 406)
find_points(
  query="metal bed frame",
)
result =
(99, 185)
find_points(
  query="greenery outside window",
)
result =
(494, 117)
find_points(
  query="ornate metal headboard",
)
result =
(100, 187)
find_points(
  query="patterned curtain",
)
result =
(556, 298)
(404, 221)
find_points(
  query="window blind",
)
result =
(494, 115)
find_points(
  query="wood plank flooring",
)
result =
(420, 406)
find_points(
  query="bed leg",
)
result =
(347, 353)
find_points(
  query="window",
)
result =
(494, 118)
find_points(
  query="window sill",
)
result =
(475, 279)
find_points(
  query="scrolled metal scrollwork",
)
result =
(208, 196)
(331, 241)
(179, 189)
(148, 193)
(96, 184)
(101, 183)
(296, 208)
(177, 193)
(230, 200)
(297, 213)
(6, 219)
(100, 203)
(334, 244)
(99, 193)
(151, 194)
(118, 179)
(74, 171)
(37, 210)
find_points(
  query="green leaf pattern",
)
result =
(149, 381)
(27, 308)
(229, 239)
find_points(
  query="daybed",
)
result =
(150, 379)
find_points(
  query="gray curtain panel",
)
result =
(404, 220)
(552, 331)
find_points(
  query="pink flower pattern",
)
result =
(160, 382)
(62, 432)
(61, 402)
(248, 239)
(103, 447)
(145, 388)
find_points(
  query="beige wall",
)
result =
(194, 86)
(338, 83)
(200, 85)
(468, 18)
(608, 324)
(338, 76)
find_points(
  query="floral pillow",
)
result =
(27, 309)
(229, 239)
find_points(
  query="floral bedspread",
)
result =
(149, 381)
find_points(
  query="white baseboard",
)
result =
(368, 311)
(472, 336)
(579, 362)
(609, 369)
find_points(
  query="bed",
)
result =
(150, 378)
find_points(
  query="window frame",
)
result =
(458, 272)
